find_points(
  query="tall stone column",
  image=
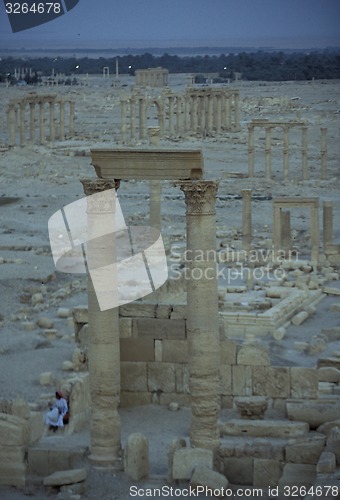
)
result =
(218, 113)
(42, 122)
(32, 122)
(71, 130)
(251, 150)
(123, 118)
(132, 118)
(286, 152)
(62, 120)
(327, 223)
(228, 112)
(194, 113)
(104, 348)
(52, 121)
(304, 152)
(202, 321)
(210, 114)
(246, 219)
(276, 228)
(142, 118)
(171, 115)
(22, 124)
(268, 153)
(11, 125)
(186, 113)
(286, 235)
(202, 114)
(237, 126)
(315, 232)
(179, 114)
(323, 153)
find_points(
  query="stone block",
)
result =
(13, 475)
(183, 400)
(161, 377)
(326, 463)
(225, 380)
(20, 408)
(14, 431)
(331, 290)
(328, 426)
(179, 311)
(271, 381)
(158, 350)
(64, 312)
(176, 444)
(133, 376)
(82, 337)
(38, 462)
(207, 478)
(136, 457)
(329, 374)
(185, 460)
(299, 318)
(61, 478)
(253, 355)
(138, 310)
(137, 349)
(163, 311)
(46, 378)
(130, 399)
(315, 413)
(304, 382)
(80, 314)
(239, 470)
(228, 352)
(333, 443)
(297, 475)
(306, 451)
(36, 426)
(173, 329)
(332, 334)
(332, 361)
(266, 472)
(238, 380)
(125, 328)
(175, 351)
(263, 428)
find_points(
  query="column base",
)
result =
(107, 463)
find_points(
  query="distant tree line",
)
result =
(267, 66)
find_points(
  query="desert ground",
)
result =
(37, 180)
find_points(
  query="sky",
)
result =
(304, 23)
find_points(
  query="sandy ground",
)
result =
(38, 180)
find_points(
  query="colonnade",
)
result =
(40, 119)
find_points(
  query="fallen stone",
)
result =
(45, 323)
(174, 406)
(187, 459)
(251, 407)
(204, 476)
(253, 354)
(335, 308)
(314, 413)
(46, 378)
(332, 334)
(299, 318)
(297, 475)
(333, 443)
(326, 463)
(37, 298)
(64, 312)
(329, 374)
(20, 408)
(331, 290)
(328, 426)
(263, 428)
(280, 333)
(136, 456)
(67, 366)
(63, 477)
(307, 451)
(176, 444)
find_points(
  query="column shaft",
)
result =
(251, 150)
(327, 223)
(22, 124)
(304, 153)
(246, 219)
(323, 153)
(286, 153)
(268, 153)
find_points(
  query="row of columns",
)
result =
(17, 120)
(282, 239)
(192, 113)
(202, 325)
(152, 77)
(286, 127)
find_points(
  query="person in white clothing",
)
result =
(54, 418)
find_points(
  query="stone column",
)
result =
(276, 228)
(62, 120)
(314, 232)
(210, 113)
(286, 238)
(11, 125)
(52, 123)
(246, 219)
(123, 118)
(251, 150)
(179, 114)
(327, 223)
(171, 115)
(202, 114)
(194, 113)
(132, 118)
(142, 118)
(228, 112)
(202, 321)
(155, 204)
(32, 122)
(71, 131)
(323, 153)
(286, 152)
(186, 113)
(104, 350)
(304, 152)
(42, 122)
(268, 153)
(237, 126)
(218, 113)
(22, 124)
(154, 136)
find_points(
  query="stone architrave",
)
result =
(104, 348)
(202, 314)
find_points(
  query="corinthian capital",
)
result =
(200, 197)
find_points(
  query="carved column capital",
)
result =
(94, 185)
(100, 204)
(200, 197)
